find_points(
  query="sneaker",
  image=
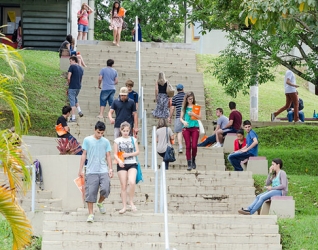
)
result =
(80, 114)
(100, 117)
(180, 151)
(90, 218)
(300, 121)
(272, 117)
(217, 145)
(244, 212)
(72, 120)
(101, 208)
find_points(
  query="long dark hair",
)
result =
(185, 100)
(277, 161)
(115, 8)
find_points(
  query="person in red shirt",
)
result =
(240, 142)
(82, 16)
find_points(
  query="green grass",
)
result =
(271, 94)
(45, 89)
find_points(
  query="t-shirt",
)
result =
(63, 121)
(222, 121)
(236, 116)
(133, 95)
(84, 18)
(289, 75)
(187, 118)
(96, 154)
(76, 77)
(162, 139)
(108, 77)
(237, 144)
(125, 145)
(124, 111)
(177, 101)
(249, 140)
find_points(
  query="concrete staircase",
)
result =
(202, 204)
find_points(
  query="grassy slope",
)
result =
(46, 91)
(271, 94)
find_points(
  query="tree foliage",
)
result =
(160, 19)
(268, 32)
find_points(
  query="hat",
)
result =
(123, 91)
(179, 86)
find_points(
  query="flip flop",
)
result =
(122, 211)
(133, 209)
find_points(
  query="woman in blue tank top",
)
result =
(190, 129)
(276, 185)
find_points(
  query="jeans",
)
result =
(166, 162)
(290, 116)
(72, 96)
(106, 95)
(210, 140)
(191, 136)
(259, 200)
(236, 158)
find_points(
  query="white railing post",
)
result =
(33, 177)
(154, 165)
(165, 205)
(136, 41)
(139, 68)
(145, 138)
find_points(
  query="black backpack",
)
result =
(15, 36)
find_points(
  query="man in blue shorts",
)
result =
(99, 169)
(234, 124)
(125, 109)
(74, 79)
(177, 101)
(251, 148)
(109, 77)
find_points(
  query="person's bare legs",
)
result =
(118, 36)
(79, 36)
(90, 207)
(180, 136)
(294, 99)
(122, 175)
(101, 111)
(132, 184)
(84, 37)
(287, 105)
(114, 35)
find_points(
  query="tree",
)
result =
(160, 19)
(277, 31)
(13, 97)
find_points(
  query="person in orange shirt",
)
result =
(240, 142)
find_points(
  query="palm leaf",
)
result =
(14, 214)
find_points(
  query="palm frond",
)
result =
(14, 214)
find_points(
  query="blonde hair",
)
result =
(129, 83)
(161, 79)
(162, 123)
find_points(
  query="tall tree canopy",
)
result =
(276, 31)
(160, 19)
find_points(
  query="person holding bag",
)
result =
(116, 21)
(165, 138)
(125, 152)
(190, 128)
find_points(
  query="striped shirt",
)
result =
(177, 101)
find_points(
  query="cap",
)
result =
(179, 86)
(123, 91)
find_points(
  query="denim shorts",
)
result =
(72, 96)
(106, 95)
(177, 125)
(82, 28)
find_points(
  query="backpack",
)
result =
(38, 173)
(15, 36)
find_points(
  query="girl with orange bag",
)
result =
(116, 23)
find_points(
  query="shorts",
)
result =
(177, 125)
(72, 96)
(106, 95)
(228, 130)
(82, 28)
(93, 182)
(126, 167)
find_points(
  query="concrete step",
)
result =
(79, 245)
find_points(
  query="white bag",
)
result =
(201, 128)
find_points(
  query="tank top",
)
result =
(162, 89)
(276, 181)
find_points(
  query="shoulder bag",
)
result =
(169, 155)
(170, 90)
(139, 177)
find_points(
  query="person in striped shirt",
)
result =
(177, 101)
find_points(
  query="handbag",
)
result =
(201, 128)
(169, 155)
(170, 90)
(139, 177)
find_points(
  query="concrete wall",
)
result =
(75, 7)
(59, 172)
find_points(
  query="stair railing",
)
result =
(32, 166)
(163, 186)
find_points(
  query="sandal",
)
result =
(122, 211)
(133, 209)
